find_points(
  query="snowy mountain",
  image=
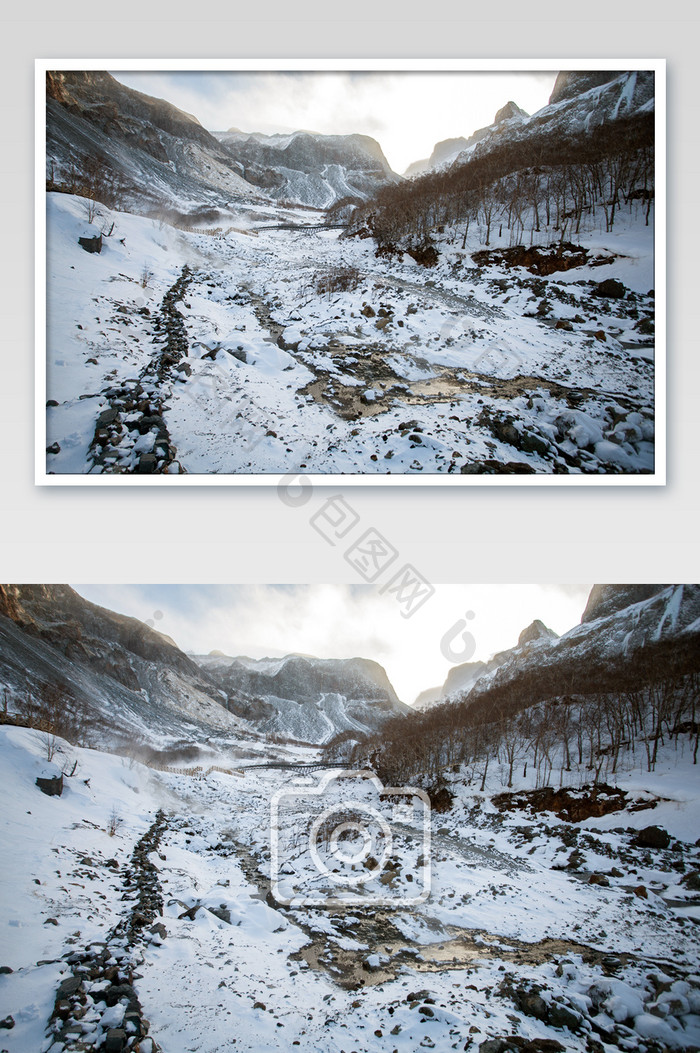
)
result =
(109, 671)
(303, 697)
(128, 681)
(580, 103)
(623, 629)
(156, 156)
(311, 169)
(528, 350)
(446, 152)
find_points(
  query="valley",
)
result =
(513, 867)
(246, 305)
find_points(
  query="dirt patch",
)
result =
(541, 261)
(572, 806)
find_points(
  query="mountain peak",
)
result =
(508, 112)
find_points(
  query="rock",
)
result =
(91, 244)
(53, 448)
(691, 881)
(221, 912)
(68, 987)
(652, 837)
(240, 355)
(5, 970)
(368, 311)
(598, 879)
(51, 402)
(641, 892)
(107, 416)
(381, 323)
(8, 1023)
(133, 1023)
(534, 444)
(564, 324)
(388, 876)
(560, 1016)
(610, 289)
(115, 1040)
(51, 786)
(418, 996)
(116, 992)
(531, 1004)
(147, 464)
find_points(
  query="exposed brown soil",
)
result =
(541, 261)
(572, 806)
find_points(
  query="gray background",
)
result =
(247, 534)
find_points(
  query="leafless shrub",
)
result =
(114, 822)
(337, 279)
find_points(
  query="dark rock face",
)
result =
(313, 169)
(569, 85)
(52, 786)
(93, 244)
(536, 631)
(110, 666)
(605, 600)
(507, 112)
(303, 679)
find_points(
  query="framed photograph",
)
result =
(446, 272)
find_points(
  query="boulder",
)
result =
(147, 464)
(652, 837)
(610, 289)
(91, 244)
(115, 1040)
(51, 785)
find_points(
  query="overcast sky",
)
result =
(346, 621)
(406, 112)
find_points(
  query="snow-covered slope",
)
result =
(306, 698)
(159, 158)
(112, 675)
(156, 155)
(308, 168)
(124, 682)
(538, 934)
